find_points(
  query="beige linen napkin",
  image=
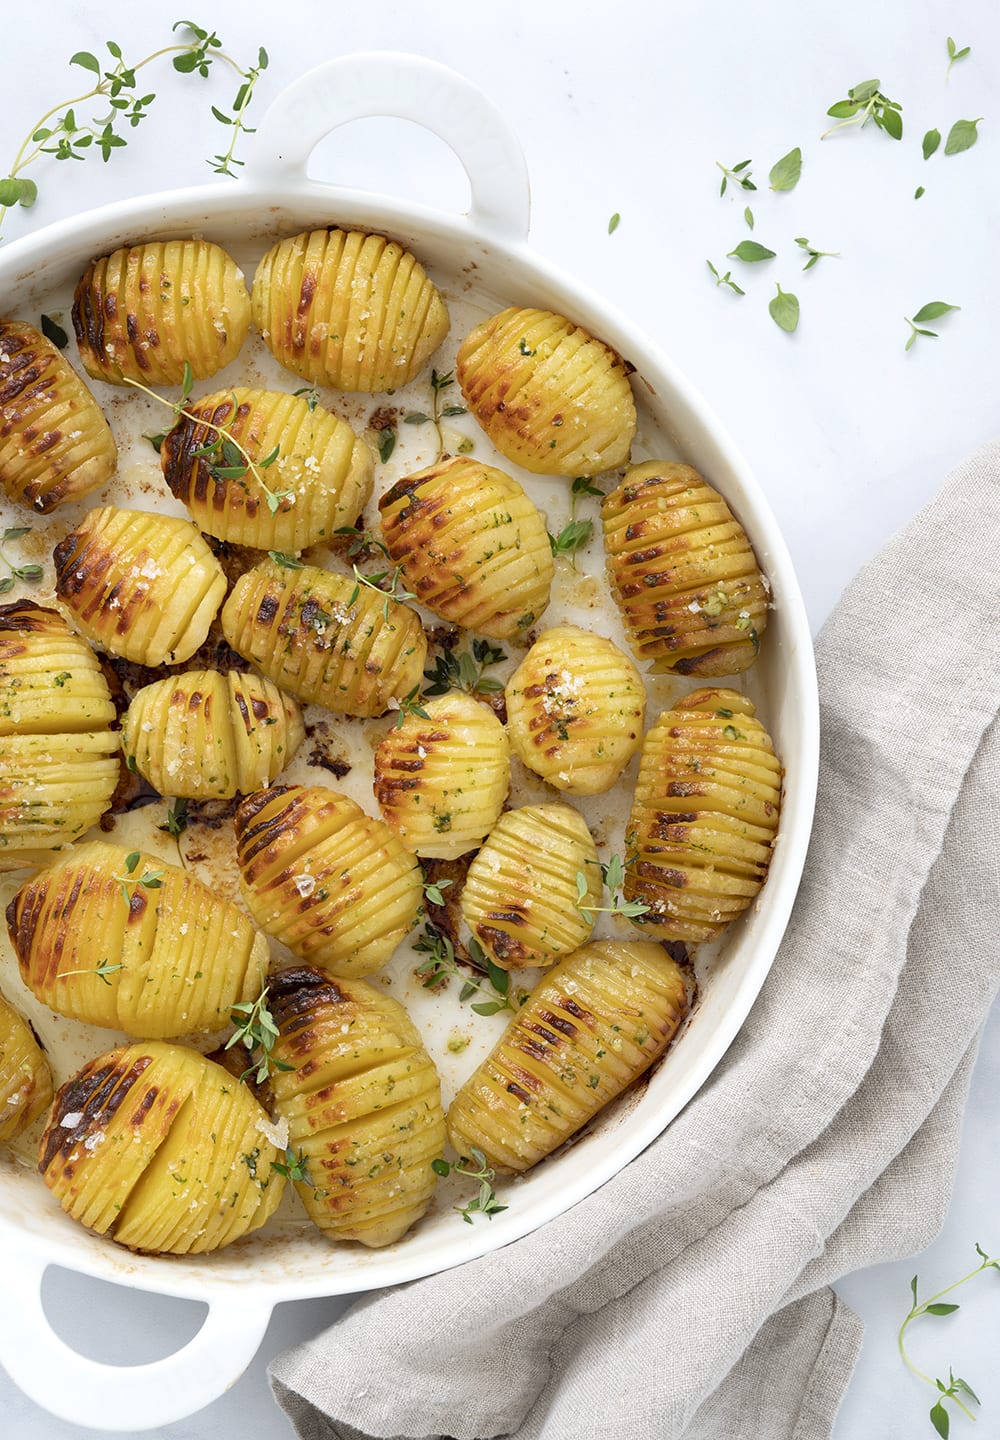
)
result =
(690, 1295)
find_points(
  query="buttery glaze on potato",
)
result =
(25, 1078)
(205, 734)
(58, 756)
(575, 710)
(161, 1150)
(326, 638)
(146, 311)
(595, 1023)
(441, 781)
(324, 878)
(347, 309)
(142, 586)
(521, 898)
(471, 545)
(362, 1101)
(549, 395)
(164, 957)
(318, 475)
(55, 444)
(704, 817)
(681, 568)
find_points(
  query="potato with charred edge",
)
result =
(704, 817)
(324, 878)
(124, 940)
(146, 311)
(347, 309)
(471, 545)
(575, 709)
(55, 445)
(25, 1078)
(204, 734)
(142, 586)
(362, 1101)
(327, 638)
(317, 473)
(594, 1024)
(521, 898)
(682, 569)
(441, 782)
(549, 395)
(162, 1151)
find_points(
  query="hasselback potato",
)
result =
(162, 1150)
(472, 546)
(312, 474)
(55, 445)
(204, 734)
(324, 878)
(362, 1101)
(326, 638)
(575, 709)
(125, 940)
(681, 568)
(441, 782)
(596, 1021)
(25, 1078)
(347, 309)
(142, 586)
(704, 817)
(521, 899)
(548, 394)
(146, 311)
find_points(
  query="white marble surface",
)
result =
(626, 108)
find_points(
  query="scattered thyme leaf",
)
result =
(748, 217)
(571, 537)
(726, 279)
(867, 102)
(294, 1167)
(962, 136)
(933, 310)
(954, 55)
(930, 143)
(785, 172)
(256, 1032)
(485, 1202)
(738, 175)
(750, 252)
(815, 255)
(784, 310)
(177, 819)
(614, 222)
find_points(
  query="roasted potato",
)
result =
(25, 1078)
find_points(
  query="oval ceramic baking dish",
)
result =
(241, 1285)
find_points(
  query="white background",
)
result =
(626, 108)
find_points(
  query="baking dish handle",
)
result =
(123, 1398)
(409, 87)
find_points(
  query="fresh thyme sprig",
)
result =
(102, 971)
(867, 102)
(726, 279)
(30, 574)
(815, 255)
(613, 876)
(388, 583)
(933, 310)
(439, 384)
(441, 965)
(571, 537)
(256, 1032)
(433, 890)
(939, 1416)
(485, 1202)
(177, 819)
(148, 880)
(294, 1167)
(738, 175)
(465, 671)
(410, 705)
(954, 55)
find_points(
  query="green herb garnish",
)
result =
(485, 1202)
(931, 311)
(786, 171)
(738, 175)
(784, 310)
(867, 102)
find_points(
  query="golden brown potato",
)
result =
(471, 545)
(203, 734)
(575, 708)
(549, 395)
(522, 899)
(682, 570)
(326, 638)
(51, 682)
(326, 879)
(25, 1078)
(594, 1024)
(347, 309)
(162, 1150)
(122, 939)
(362, 1101)
(142, 586)
(441, 782)
(313, 474)
(704, 816)
(55, 445)
(146, 311)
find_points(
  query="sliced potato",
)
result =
(51, 682)
(25, 1078)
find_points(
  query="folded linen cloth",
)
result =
(689, 1296)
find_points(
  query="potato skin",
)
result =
(25, 1078)
(363, 1104)
(161, 1150)
(596, 1021)
(704, 817)
(146, 311)
(348, 309)
(682, 570)
(549, 395)
(55, 445)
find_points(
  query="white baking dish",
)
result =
(242, 1284)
